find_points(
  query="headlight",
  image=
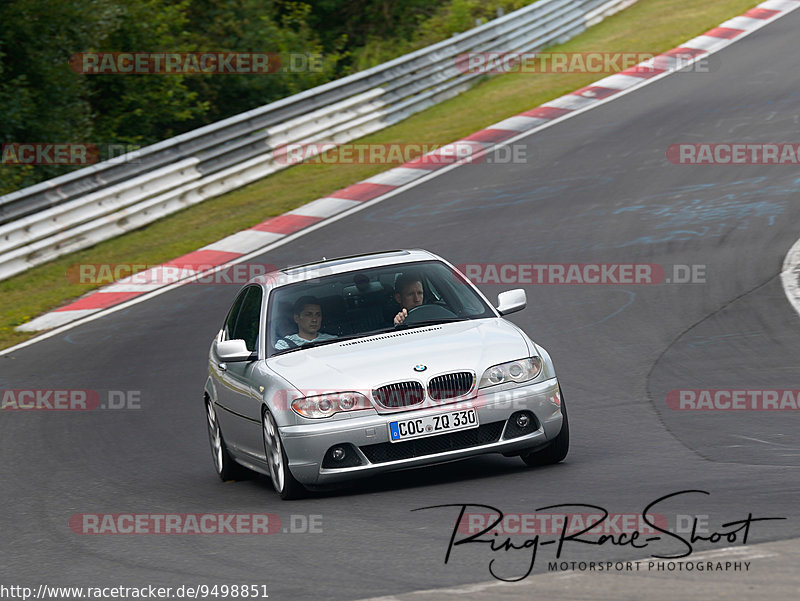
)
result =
(521, 370)
(325, 405)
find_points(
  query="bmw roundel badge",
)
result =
(420, 367)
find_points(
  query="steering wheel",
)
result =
(428, 312)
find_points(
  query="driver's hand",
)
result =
(400, 317)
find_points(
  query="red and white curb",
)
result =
(261, 237)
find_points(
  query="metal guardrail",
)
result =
(87, 206)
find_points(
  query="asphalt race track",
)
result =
(596, 188)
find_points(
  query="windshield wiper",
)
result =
(399, 326)
(428, 322)
(332, 340)
(300, 347)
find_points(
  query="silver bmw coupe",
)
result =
(353, 366)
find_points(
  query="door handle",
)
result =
(222, 366)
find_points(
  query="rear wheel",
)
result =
(282, 479)
(226, 466)
(558, 448)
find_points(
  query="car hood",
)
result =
(366, 363)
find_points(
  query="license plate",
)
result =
(432, 425)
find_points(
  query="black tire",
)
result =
(554, 452)
(225, 465)
(282, 479)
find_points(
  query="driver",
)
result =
(307, 313)
(409, 293)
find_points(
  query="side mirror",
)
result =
(231, 351)
(511, 301)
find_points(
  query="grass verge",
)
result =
(647, 26)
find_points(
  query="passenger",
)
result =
(307, 313)
(409, 293)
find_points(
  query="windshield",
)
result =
(358, 303)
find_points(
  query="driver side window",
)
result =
(243, 319)
(233, 313)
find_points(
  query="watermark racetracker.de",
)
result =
(193, 523)
(734, 153)
(144, 274)
(583, 273)
(640, 63)
(732, 399)
(59, 153)
(464, 152)
(195, 63)
(64, 399)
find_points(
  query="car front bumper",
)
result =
(306, 445)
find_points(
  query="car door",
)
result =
(237, 394)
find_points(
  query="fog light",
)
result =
(341, 456)
(520, 423)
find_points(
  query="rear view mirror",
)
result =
(511, 301)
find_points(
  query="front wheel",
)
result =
(226, 466)
(283, 481)
(558, 448)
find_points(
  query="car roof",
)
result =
(324, 267)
